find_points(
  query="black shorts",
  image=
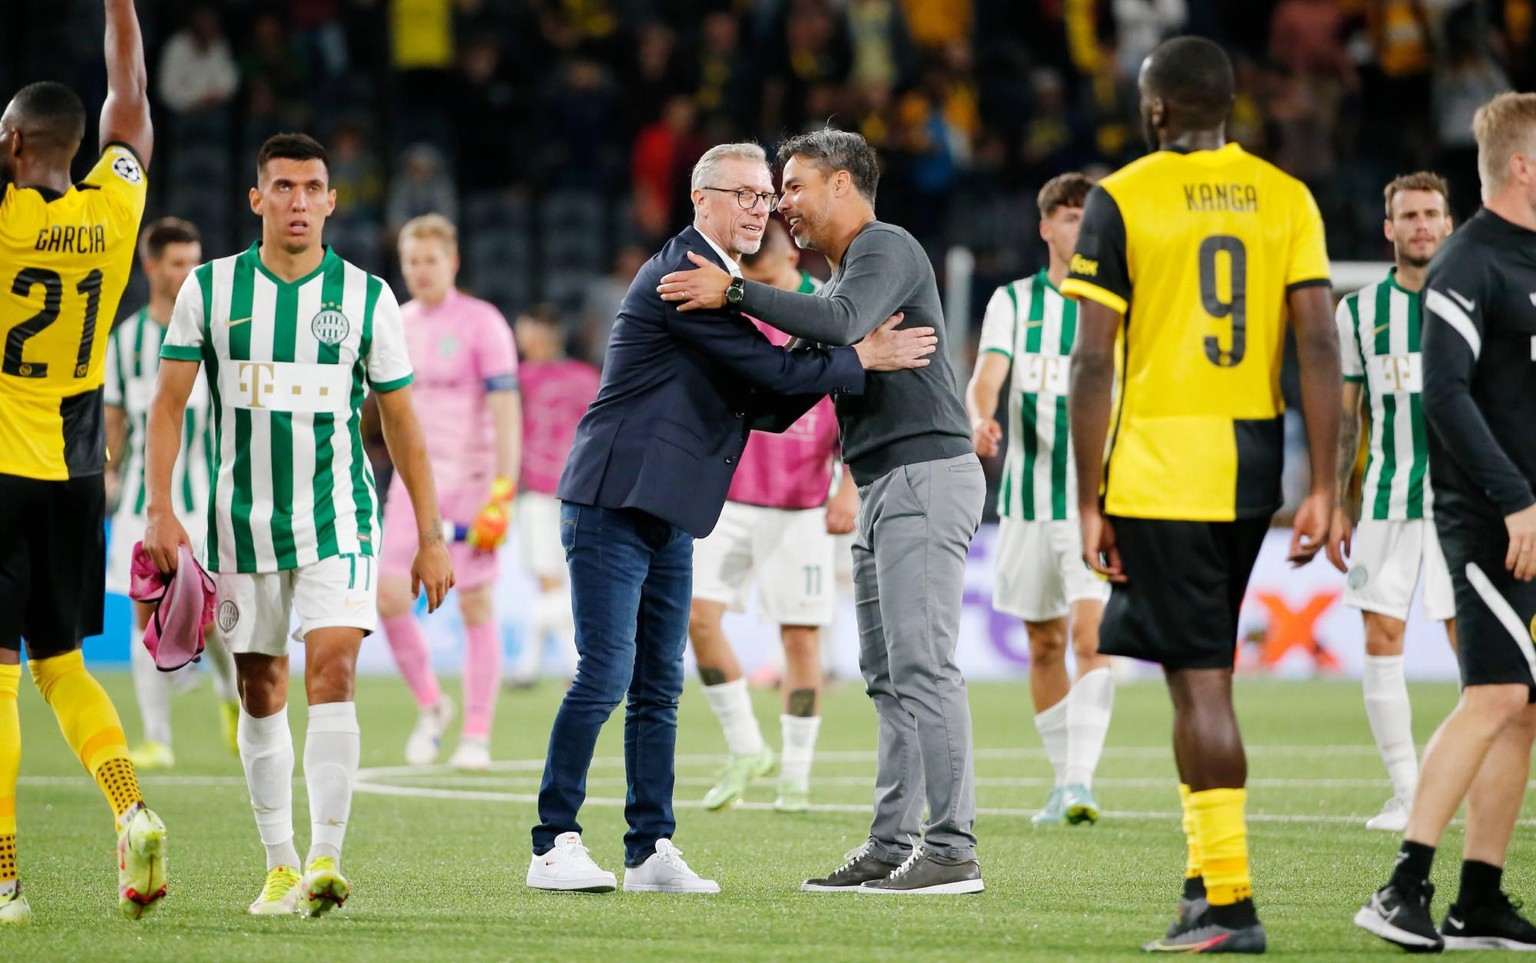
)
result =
(1185, 583)
(52, 562)
(1495, 614)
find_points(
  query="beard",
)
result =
(1412, 261)
(746, 244)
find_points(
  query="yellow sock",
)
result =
(90, 725)
(1223, 835)
(1192, 865)
(10, 767)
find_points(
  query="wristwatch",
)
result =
(736, 291)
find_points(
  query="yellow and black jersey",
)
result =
(1197, 252)
(64, 260)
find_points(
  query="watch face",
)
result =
(734, 293)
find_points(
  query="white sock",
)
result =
(331, 749)
(799, 735)
(266, 750)
(733, 707)
(1088, 708)
(223, 665)
(1391, 718)
(153, 690)
(1052, 726)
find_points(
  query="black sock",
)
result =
(1194, 887)
(1234, 916)
(1480, 882)
(1413, 863)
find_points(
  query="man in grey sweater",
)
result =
(907, 442)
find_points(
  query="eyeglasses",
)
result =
(748, 198)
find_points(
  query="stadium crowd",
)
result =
(561, 132)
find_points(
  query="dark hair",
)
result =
(1417, 181)
(299, 147)
(837, 150)
(775, 238)
(166, 231)
(1064, 190)
(543, 313)
(1194, 78)
(51, 113)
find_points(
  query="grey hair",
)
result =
(837, 150)
(704, 170)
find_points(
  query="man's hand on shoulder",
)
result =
(702, 287)
(887, 349)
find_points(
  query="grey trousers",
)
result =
(915, 527)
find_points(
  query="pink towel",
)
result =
(184, 602)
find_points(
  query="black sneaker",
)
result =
(861, 866)
(1401, 916)
(1495, 925)
(928, 873)
(1208, 937)
(1187, 916)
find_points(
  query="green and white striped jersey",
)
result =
(1379, 339)
(133, 361)
(1029, 321)
(288, 366)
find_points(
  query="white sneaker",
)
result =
(427, 738)
(665, 872)
(1393, 817)
(472, 754)
(569, 868)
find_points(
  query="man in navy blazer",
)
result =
(648, 473)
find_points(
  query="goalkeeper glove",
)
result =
(489, 529)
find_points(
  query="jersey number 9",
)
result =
(1236, 305)
(53, 296)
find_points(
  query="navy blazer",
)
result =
(680, 391)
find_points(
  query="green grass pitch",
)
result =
(437, 858)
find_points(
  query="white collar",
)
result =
(730, 262)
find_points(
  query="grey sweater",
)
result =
(903, 417)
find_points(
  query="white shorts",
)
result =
(538, 534)
(127, 529)
(1040, 570)
(1384, 562)
(788, 550)
(253, 611)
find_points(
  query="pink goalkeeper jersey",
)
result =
(461, 349)
(793, 469)
(555, 396)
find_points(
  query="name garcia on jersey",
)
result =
(72, 239)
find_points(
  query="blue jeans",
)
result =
(631, 584)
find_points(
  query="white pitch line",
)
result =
(455, 779)
(83, 780)
(858, 808)
(868, 756)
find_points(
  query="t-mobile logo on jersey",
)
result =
(288, 386)
(252, 375)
